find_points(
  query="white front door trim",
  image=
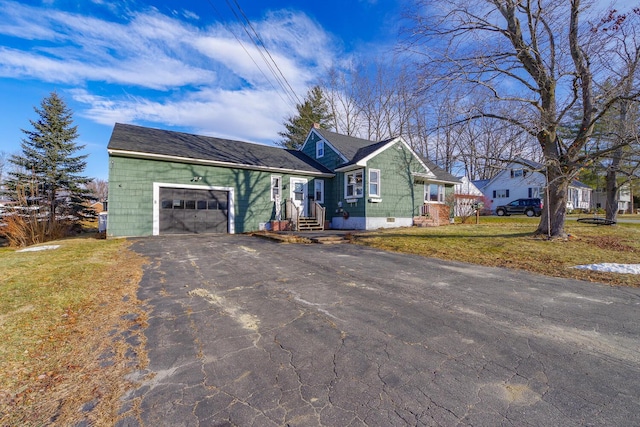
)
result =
(299, 201)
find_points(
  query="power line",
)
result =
(245, 50)
(261, 48)
(264, 46)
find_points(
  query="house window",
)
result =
(434, 193)
(374, 182)
(500, 194)
(319, 149)
(353, 184)
(536, 192)
(276, 188)
(319, 190)
(517, 173)
(585, 195)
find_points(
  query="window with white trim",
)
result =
(319, 190)
(500, 194)
(353, 184)
(374, 182)
(434, 193)
(276, 187)
(536, 192)
(319, 149)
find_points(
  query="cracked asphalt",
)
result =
(248, 332)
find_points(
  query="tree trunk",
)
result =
(611, 191)
(555, 207)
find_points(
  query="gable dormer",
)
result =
(319, 148)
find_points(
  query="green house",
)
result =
(163, 182)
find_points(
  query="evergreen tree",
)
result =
(314, 109)
(47, 172)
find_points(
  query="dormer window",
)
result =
(319, 149)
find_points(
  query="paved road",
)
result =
(248, 332)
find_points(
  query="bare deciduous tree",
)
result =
(536, 60)
(3, 162)
(620, 31)
(99, 188)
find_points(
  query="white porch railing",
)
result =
(319, 213)
(292, 212)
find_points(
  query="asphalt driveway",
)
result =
(248, 332)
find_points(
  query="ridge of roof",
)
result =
(366, 151)
(145, 140)
(347, 145)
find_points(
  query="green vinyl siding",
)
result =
(131, 192)
(331, 158)
(400, 196)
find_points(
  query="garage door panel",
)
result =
(217, 221)
(174, 222)
(193, 211)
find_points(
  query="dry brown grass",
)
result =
(63, 353)
(509, 242)
(21, 230)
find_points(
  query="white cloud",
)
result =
(250, 115)
(176, 73)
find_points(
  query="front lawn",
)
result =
(509, 242)
(64, 341)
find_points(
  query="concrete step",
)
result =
(310, 227)
(329, 240)
(421, 221)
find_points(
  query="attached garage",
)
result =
(185, 210)
(163, 182)
(190, 209)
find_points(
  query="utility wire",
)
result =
(264, 46)
(245, 25)
(245, 50)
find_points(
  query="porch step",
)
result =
(329, 240)
(423, 221)
(309, 224)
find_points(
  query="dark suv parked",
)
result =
(529, 207)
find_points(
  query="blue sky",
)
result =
(174, 64)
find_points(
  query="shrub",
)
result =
(25, 225)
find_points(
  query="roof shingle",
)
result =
(138, 139)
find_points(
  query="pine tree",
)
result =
(47, 172)
(314, 109)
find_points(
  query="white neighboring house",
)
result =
(624, 199)
(523, 179)
(466, 195)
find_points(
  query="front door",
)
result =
(299, 194)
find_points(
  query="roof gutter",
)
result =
(177, 159)
(351, 167)
(432, 178)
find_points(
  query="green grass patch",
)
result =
(56, 311)
(509, 242)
